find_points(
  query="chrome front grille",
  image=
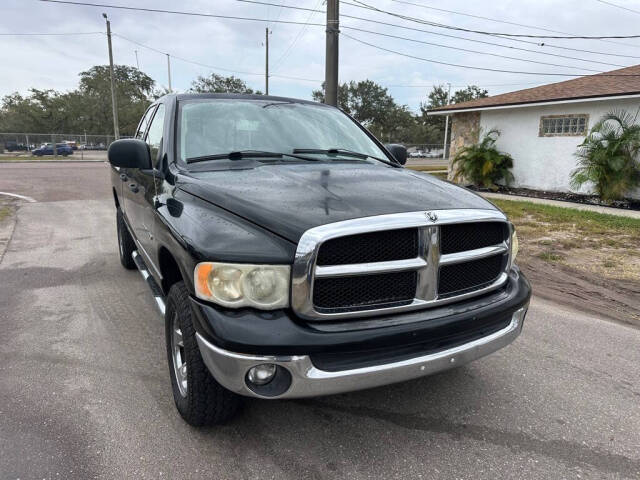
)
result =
(350, 268)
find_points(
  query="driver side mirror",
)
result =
(129, 153)
(398, 151)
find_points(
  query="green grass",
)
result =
(427, 168)
(583, 220)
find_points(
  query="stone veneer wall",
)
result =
(465, 130)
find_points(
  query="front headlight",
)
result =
(240, 285)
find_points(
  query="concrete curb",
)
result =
(558, 203)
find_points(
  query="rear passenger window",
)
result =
(144, 122)
(154, 137)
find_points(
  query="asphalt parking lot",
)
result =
(85, 393)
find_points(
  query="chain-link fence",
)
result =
(78, 144)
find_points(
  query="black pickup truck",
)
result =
(292, 255)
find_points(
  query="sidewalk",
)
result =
(557, 203)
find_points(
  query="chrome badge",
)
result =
(431, 216)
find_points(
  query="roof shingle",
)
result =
(625, 81)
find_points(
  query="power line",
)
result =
(360, 4)
(301, 32)
(519, 40)
(51, 34)
(479, 68)
(619, 6)
(211, 67)
(175, 12)
(506, 22)
(198, 14)
(500, 44)
(471, 51)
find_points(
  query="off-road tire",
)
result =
(126, 246)
(206, 401)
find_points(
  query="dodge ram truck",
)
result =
(292, 255)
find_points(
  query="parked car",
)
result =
(47, 149)
(291, 254)
(12, 146)
(416, 154)
(72, 143)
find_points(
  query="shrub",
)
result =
(483, 164)
(608, 156)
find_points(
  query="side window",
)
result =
(144, 122)
(154, 136)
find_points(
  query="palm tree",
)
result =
(483, 164)
(608, 157)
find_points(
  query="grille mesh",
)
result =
(370, 247)
(469, 236)
(465, 277)
(364, 290)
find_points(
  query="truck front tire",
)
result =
(200, 400)
(126, 245)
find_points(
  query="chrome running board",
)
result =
(153, 285)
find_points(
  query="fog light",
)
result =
(261, 374)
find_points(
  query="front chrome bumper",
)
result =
(230, 368)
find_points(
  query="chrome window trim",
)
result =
(305, 271)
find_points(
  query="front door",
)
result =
(145, 197)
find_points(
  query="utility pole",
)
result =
(137, 63)
(266, 61)
(331, 56)
(169, 71)
(114, 104)
(446, 125)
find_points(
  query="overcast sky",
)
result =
(237, 46)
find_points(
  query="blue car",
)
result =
(47, 149)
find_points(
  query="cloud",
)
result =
(54, 62)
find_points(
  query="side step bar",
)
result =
(155, 288)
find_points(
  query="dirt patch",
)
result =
(587, 260)
(609, 298)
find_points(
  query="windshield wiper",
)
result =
(246, 154)
(342, 151)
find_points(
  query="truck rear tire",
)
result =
(126, 245)
(199, 398)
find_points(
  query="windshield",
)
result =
(219, 126)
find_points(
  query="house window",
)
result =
(563, 125)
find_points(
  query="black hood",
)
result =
(290, 198)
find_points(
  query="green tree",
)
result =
(471, 92)
(215, 83)
(437, 97)
(133, 91)
(88, 108)
(373, 106)
(608, 156)
(483, 164)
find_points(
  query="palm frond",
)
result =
(483, 164)
(608, 156)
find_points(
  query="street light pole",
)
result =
(331, 56)
(114, 104)
(137, 63)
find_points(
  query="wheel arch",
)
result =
(169, 269)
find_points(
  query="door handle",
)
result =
(133, 187)
(123, 176)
